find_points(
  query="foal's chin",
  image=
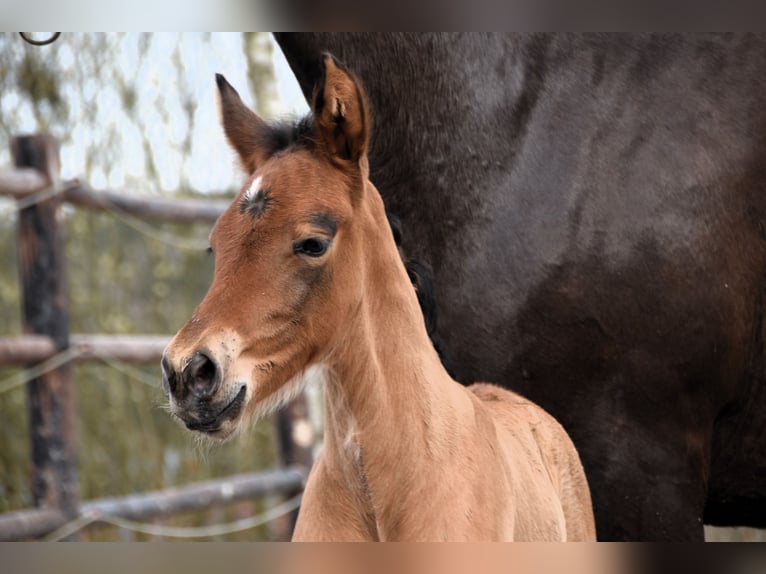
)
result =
(223, 433)
(219, 433)
(219, 417)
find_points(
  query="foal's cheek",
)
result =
(314, 300)
(308, 286)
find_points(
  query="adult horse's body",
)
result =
(593, 211)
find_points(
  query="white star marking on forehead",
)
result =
(254, 189)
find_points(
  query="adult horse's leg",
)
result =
(647, 452)
(657, 482)
(737, 487)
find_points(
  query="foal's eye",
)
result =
(313, 246)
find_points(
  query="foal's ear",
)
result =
(341, 112)
(245, 130)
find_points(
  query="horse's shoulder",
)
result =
(500, 397)
(515, 412)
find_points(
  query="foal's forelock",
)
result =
(255, 200)
(254, 190)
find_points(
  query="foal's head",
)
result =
(289, 265)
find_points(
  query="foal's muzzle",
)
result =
(197, 394)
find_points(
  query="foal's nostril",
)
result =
(169, 377)
(202, 376)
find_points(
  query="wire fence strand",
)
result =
(26, 375)
(39, 196)
(168, 238)
(177, 531)
(131, 221)
(130, 371)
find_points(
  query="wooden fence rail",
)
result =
(27, 524)
(35, 184)
(25, 349)
(23, 183)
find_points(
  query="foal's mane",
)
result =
(281, 135)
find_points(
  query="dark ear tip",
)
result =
(221, 82)
(327, 58)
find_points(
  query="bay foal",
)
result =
(308, 283)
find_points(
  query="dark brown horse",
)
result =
(593, 211)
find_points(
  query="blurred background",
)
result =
(135, 114)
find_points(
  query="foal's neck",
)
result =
(391, 408)
(387, 368)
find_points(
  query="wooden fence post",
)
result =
(295, 436)
(50, 397)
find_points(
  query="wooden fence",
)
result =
(48, 348)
